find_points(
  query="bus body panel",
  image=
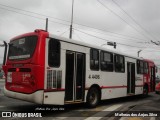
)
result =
(53, 95)
(26, 82)
(36, 97)
(54, 98)
(113, 93)
(26, 77)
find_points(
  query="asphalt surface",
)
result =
(128, 108)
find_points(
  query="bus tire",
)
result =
(145, 91)
(156, 92)
(93, 97)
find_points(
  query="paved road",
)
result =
(114, 109)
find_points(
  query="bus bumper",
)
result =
(36, 97)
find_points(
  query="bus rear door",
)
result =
(75, 76)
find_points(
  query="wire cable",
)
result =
(121, 18)
(132, 18)
(33, 16)
(58, 19)
(33, 12)
(120, 37)
(64, 32)
(62, 20)
(108, 40)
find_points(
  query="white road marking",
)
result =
(102, 113)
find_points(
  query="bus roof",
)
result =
(89, 45)
(76, 42)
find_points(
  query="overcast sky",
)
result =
(130, 23)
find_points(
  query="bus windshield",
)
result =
(22, 48)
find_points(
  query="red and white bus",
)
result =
(48, 69)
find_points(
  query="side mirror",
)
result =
(5, 51)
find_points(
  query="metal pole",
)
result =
(114, 44)
(5, 53)
(70, 35)
(139, 52)
(46, 24)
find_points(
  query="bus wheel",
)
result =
(93, 97)
(156, 92)
(145, 91)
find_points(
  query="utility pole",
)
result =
(71, 27)
(46, 24)
(139, 52)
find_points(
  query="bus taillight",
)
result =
(17, 69)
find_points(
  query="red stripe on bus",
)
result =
(53, 90)
(105, 87)
(102, 87)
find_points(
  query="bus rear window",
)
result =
(22, 48)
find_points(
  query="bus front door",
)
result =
(130, 78)
(75, 77)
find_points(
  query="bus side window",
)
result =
(94, 59)
(140, 67)
(119, 63)
(106, 61)
(145, 67)
(54, 53)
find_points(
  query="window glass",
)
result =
(22, 48)
(106, 61)
(94, 59)
(140, 67)
(95, 54)
(145, 67)
(141, 64)
(107, 57)
(121, 60)
(119, 63)
(54, 53)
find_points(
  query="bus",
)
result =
(48, 69)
